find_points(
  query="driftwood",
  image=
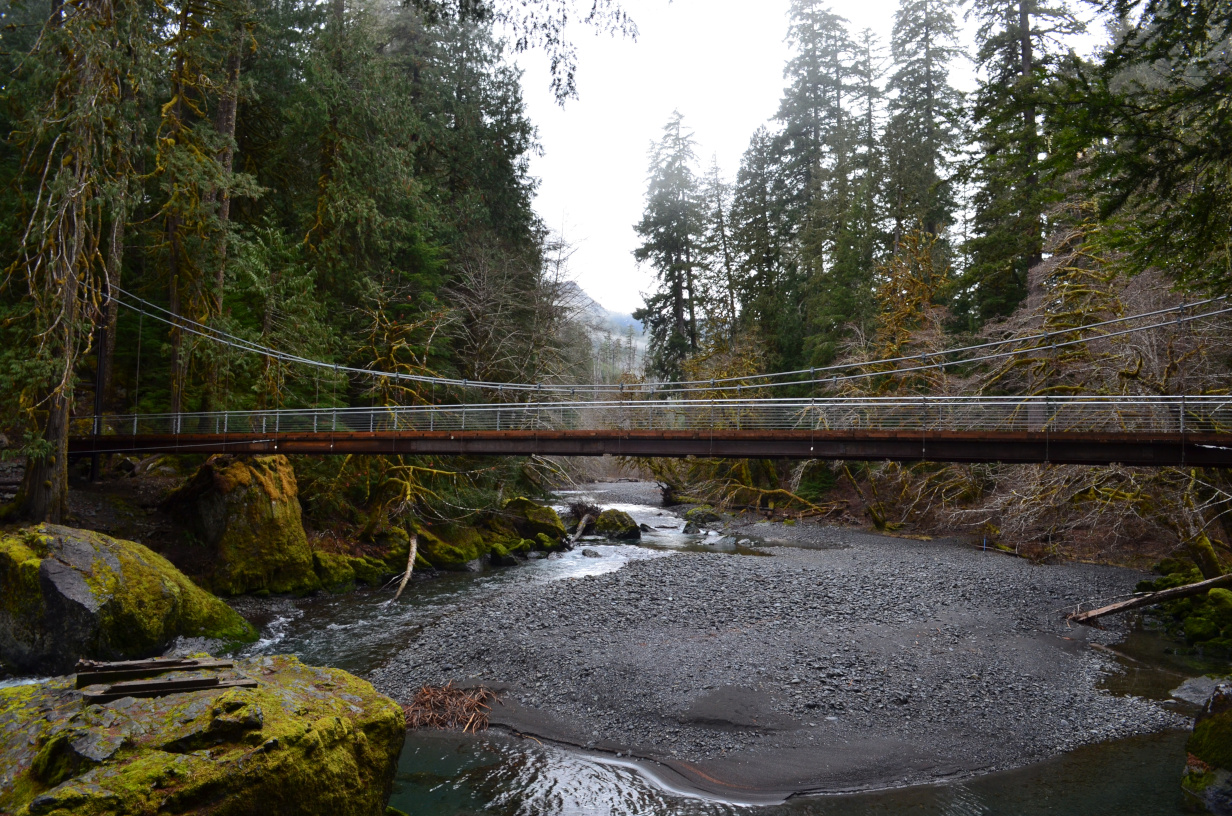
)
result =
(581, 527)
(410, 565)
(161, 688)
(90, 672)
(1150, 599)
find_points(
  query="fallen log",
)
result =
(412, 551)
(1150, 599)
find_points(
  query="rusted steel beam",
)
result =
(1207, 450)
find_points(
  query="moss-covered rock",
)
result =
(530, 519)
(451, 546)
(1207, 782)
(68, 593)
(245, 511)
(305, 741)
(617, 524)
(702, 515)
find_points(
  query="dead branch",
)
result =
(1150, 599)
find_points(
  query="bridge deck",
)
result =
(1080, 448)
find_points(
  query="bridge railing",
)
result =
(1167, 414)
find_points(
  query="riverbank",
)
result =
(847, 661)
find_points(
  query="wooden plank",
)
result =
(137, 669)
(163, 688)
(1150, 599)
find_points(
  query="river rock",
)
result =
(1207, 783)
(305, 741)
(67, 594)
(617, 524)
(531, 520)
(702, 515)
(589, 553)
(245, 512)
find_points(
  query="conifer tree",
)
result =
(671, 229)
(925, 117)
(1018, 42)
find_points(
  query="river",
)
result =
(494, 773)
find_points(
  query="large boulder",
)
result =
(305, 741)
(1207, 783)
(617, 524)
(245, 513)
(530, 520)
(68, 593)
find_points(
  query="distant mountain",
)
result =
(598, 319)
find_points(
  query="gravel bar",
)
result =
(846, 661)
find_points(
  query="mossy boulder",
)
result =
(245, 512)
(530, 519)
(702, 515)
(617, 524)
(451, 546)
(305, 741)
(1207, 783)
(67, 594)
(340, 572)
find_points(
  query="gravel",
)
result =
(845, 661)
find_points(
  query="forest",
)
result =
(882, 213)
(349, 182)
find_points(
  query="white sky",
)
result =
(719, 62)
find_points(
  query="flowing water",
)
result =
(449, 774)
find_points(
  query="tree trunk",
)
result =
(1030, 146)
(115, 261)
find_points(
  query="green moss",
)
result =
(530, 520)
(139, 601)
(451, 546)
(306, 741)
(246, 510)
(703, 514)
(335, 572)
(1211, 740)
(617, 524)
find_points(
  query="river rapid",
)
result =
(498, 773)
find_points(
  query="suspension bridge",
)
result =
(1152, 431)
(675, 419)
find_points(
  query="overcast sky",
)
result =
(719, 62)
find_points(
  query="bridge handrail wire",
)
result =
(1070, 414)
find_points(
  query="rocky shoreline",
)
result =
(846, 661)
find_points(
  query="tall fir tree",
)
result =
(671, 232)
(922, 139)
(1018, 42)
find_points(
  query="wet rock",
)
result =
(68, 593)
(305, 741)
(475, 566)
(1207, 783)
(589, 553)
(691, 529)
(617, 524)
(246, 513)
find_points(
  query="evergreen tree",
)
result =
(1017, 44)
(671, 235)
(770, 289)
(845, 231)
(815, 136)
(922, 137)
